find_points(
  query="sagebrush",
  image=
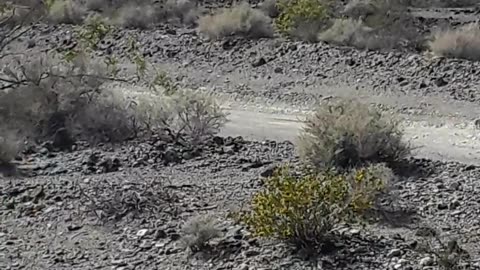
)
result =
(239, 20)
(462, 42)
(347, 134)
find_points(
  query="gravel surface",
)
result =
(46, 216)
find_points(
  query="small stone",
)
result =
(397, 266)
(440, 82)
(427, 261)
(259, 62)
(442, 206)
(394, 253)
(142, 232)
(242, 266)
(454, 204)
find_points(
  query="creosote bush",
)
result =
(463, 42)
(303, 209)
(348, 134)
(302, 18)
(239, 20)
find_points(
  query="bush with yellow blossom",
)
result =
(304, 210)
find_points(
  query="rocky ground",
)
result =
(54, 215)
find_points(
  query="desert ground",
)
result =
(158, 202)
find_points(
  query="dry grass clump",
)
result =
(463, 42)
(198, 231)
(346, 32)
(239, 20)
(350, 134)
(135, 16)
(114, 201)
(67, 12)
(10, 147)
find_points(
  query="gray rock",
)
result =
(427, 261)
(394, 253)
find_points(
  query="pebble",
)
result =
(142, 232)
(427, 261)
(394, 253)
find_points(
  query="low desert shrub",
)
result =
(270, 8)
(66, 11)
(345, 32)
(302, 18)
(239, 20)
(198, 231)
(463, 42)
(10, 146)
(349, 134)
(303, 209)
(135, 16)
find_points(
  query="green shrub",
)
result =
(297, 15)
(303, 210)
(350, 134)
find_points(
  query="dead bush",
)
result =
(387, 24)
(463, 42)
(346, 32)
(239, 20)
(348, 134)
(10, 146)
(51, 95)
(67, 12)
(198, 231)
(135, 16)
(113, 201)
(270, 8)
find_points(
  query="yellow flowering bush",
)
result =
(303, 210)
(296, 13)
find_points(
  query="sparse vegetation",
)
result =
(349, 134)
(463, 42)
(346, 32)
(198, 231)
(139, 16)
(111, 202)
(303, 18)
(66, 11)
(10, 146)
(304, 209)
(240, 20)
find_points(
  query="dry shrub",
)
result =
(463, 42)
(345, 32)
(113, 201)
(239, 20)
(182, 11)
(10, 146)
(198, 231)
(67, 12)
(191, 114)
(350, 134)
(135, 16)
(387, 24)
(270, 8)
(52, 95)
